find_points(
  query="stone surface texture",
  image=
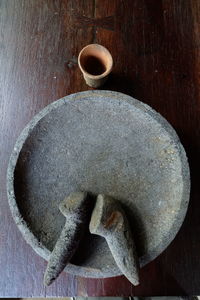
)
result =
(102, 142)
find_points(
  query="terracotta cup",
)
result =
(95, 62)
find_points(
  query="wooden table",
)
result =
(155, 46)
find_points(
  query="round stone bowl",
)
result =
(101, 142)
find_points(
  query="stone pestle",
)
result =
(109, 221)
(75, 209)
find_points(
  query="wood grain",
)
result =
(155, 46)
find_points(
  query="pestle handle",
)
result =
(125, 256)
(75, 209)
(63, 250)
(109, 221)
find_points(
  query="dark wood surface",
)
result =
(155, 46)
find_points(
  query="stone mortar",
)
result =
(101, 142)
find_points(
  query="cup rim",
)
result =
(95, 76)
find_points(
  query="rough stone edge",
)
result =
(39, 248)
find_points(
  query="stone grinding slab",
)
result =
(101, 142)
